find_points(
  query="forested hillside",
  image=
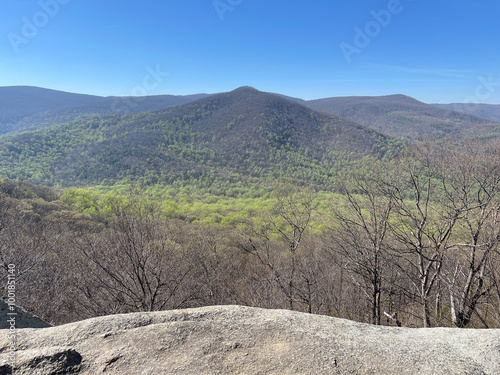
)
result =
(487, 111)
(412, 241)
(404, 117)
(19, 102)
(243, 136)
(251, 198)
(30, 108)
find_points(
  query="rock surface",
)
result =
(244, 340)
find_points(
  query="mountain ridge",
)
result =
(487, 111)
(47, 107)
(17, 102)
(395, 115)
(243, 134)
(403, 116)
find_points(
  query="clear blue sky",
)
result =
(433, 50)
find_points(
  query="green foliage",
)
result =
(81, 200)
(221, 144)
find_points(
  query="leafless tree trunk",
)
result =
(361, 227)
(472, 186)
(422, 228)
(133, 267)
(289, 218)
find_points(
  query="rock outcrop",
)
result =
(244, 340)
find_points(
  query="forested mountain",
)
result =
(31, 108)
(403, 116)
(18, 102)
(107, 106)
(240, 136)
(242, 198)
(487, 111)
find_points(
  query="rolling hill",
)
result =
(237, 137)
(487, 111)
(18, 102)
(30, 108)
(104, 107)
(404, 117)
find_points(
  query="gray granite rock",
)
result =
(244, 340)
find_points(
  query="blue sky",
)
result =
(433, 50)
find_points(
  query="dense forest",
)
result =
(251, 198)
(406, 117)
(241, 137)
(407, 240)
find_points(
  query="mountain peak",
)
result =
(246, 89)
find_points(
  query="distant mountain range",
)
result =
(237, 137)
(242, 135)
(19, 102)
(30, 108)
(403, 116)
(487, 111)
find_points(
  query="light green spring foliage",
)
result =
(190, 205)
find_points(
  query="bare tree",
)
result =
(472, 186)
(494, 266)
(361, 228)
(219, 271)
(289, 218)
(422, 228)
(135, 266)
